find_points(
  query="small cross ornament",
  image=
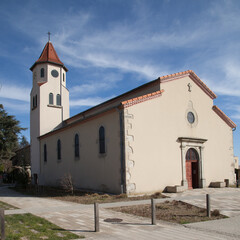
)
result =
(189, 87)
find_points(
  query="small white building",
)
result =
(166, 132)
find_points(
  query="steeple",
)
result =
(49, 100)
(49, 55)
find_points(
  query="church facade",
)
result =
(165, 134)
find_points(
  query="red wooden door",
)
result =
(192, 168)
(189, 173)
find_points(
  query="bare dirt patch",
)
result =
(83, 197)
(172, 211)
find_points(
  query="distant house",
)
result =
(166, 132)
(22, 157)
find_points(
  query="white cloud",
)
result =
(90, 88)
(91, 101)
(124, 45)
(236, 116)
(221, 74)
(15, 92)
(15, 107)
(132, 46)
(96, 84)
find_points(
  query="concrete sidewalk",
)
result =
(78, 218)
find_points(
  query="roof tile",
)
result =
(224, 117)
(142, 98)
(49, 55)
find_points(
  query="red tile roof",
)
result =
(49, 55)
(224, 117)
(157, 81)
(194, 77)
(142, 98)
(146, 97)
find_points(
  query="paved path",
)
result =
(78, 218)
(227, 200)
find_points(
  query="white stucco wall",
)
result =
(92, 170)
(153, 128)
(45, 117)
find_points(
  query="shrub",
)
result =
(105, 196)
(215, 213)
(122, 195)
(95, 195)
(67, 183)
(20, 176)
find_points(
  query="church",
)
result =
(166, 134)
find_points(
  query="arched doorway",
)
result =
(192, 159)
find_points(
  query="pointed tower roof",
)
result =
(49, 55)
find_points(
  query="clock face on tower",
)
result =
(54, 73)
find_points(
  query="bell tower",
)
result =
(49, 103)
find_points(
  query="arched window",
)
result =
(59, 149)
(102, 140)
(58, 99)
(192, 154)
(42, 73)
(45, 152)
(76, 145)
(36, 101)
(63, 77)
(50, 98)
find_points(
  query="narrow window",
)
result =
(42, 73)
(59, 149)
(33, 102)
(50, 98)
(58, 99)
(63, 77)
(76, 145)
(45, 152)
(101, 140)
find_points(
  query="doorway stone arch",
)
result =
(197, 144)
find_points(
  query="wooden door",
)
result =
(192, 168)
(189, 174)
(195, 175)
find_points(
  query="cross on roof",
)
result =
(49, 36)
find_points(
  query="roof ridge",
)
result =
(175, 74)
(194, 77)
(49, 55)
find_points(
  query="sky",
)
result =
(113, 46)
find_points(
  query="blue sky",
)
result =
(112, 46)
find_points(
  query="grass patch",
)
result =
(83, 197)
(6, 206)
(30, 227)
(172, 211)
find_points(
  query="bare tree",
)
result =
(67, 183)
